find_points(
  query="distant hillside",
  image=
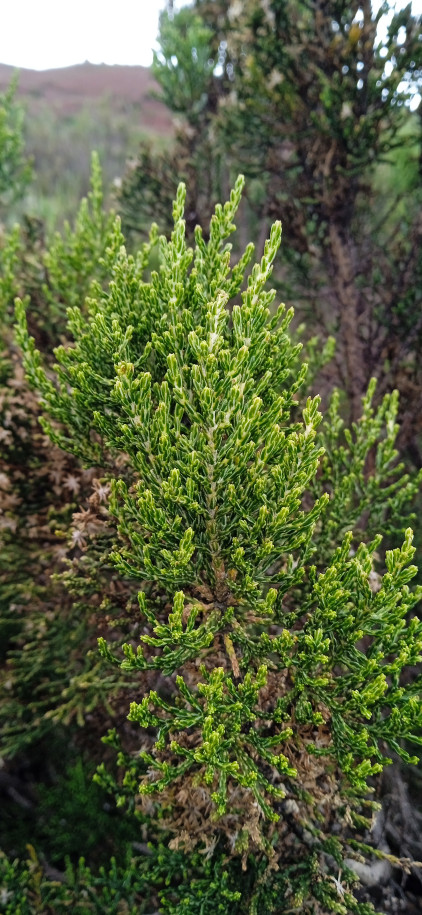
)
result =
(66, 91)
(71, 111)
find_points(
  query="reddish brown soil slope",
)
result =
(69, 89)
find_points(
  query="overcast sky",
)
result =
(41, 34)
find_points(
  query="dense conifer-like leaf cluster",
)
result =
(277, 641)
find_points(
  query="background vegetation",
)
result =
(298, 97)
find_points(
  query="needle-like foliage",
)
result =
(277, 641)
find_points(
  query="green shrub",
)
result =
(51, 676)
(15, 170)
(273, 639)
(25, 888)
(57, 272)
